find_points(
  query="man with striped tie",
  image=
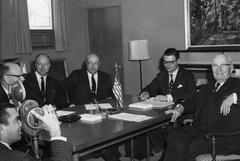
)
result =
(172, 83)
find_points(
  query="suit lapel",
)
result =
(178, 79)
(86, 81)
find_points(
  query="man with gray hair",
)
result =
(210, 115)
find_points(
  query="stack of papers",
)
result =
(95, 106)
(130, 117)
(149, 104)
(90, 118)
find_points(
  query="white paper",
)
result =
(94, 106)
(160, 104)
(130, 117)
(141, 105)
(63, 113)
(90, 117)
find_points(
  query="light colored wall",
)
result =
(160, 21)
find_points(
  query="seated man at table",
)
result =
(10, 132)
(85, 84)
(185, 143)
(43, 88)
(9, 73)
(172, 83)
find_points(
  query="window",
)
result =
(40, 23)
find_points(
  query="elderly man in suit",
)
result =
(211, 114)
(9, 73)
(10, 132)
(173, 83)
(85, 84)
(43, 88)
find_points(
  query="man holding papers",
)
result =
(173, 83)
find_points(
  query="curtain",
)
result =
(22, 39)
(60, 25)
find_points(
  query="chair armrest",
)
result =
(221, 134)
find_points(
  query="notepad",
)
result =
(150, 104)
(90, 118)
(141, 106)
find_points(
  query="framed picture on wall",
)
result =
(212, 25)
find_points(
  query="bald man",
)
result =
(85, 84)
(9, 73)
(43, 88)
(185, 143)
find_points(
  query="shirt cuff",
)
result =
(59, 138)
(169, 98)
(234, 98)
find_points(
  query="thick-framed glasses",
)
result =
(169, 62)
(14, 75)
(222, 66)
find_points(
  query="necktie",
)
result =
(216, 87)
(93, 84)
(171, 84)
(42, 87)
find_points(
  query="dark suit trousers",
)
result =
(186, 143)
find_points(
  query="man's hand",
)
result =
(226, 105)
(50, 120)
(160, 98)
(176, 112)
(144, 96)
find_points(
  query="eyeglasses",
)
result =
(222, 66)
(14, 75)
(169, 62)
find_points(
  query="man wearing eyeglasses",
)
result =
(211, 114)
(173, 83)
(9, 73)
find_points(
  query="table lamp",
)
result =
(139, 51)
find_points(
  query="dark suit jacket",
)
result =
(3, 95)
(60, 151)
(54, 93)
(78, 87)
(216, 121)
(183, 88)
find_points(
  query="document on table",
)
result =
(149, 104)
(90, 118)
(130, 117)
(63, 113)
(94, 106)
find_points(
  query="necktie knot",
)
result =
(217, 86)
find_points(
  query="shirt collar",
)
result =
(39, 76)
(90, 75)
(6, 145)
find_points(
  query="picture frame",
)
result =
(212, 25)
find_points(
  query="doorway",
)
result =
(105, 37)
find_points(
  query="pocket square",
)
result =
(180, 86)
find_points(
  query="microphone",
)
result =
(97, 105)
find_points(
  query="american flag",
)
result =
(117, 89)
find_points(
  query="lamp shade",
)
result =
(139, 50)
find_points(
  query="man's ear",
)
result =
(2, 130)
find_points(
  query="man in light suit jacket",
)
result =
(211, 114)
(85, 84)
(10, 132)
(173, 83)
(43, 88)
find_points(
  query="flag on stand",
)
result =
(117, 88)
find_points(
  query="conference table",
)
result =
(90, 137)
